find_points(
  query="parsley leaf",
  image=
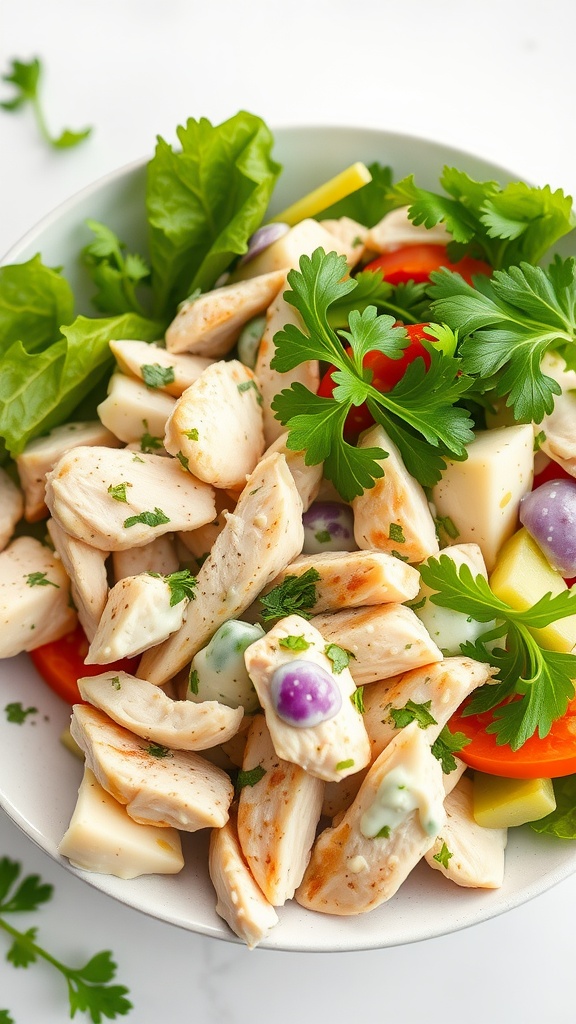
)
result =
(503, 225)
(182, 585)
(155, 518)
(339, 657)
(357, 699)
(158, 750)
(40, 579)
(446, 745)
(536, 683)
(88, 988)
(296, 595)
(507, 324)
(156, 376)
(412, 712)
(25, 77)
(118, 491)
(443, 856)
(249, 777)
(294, 643)
(342, 765)
(420, 413)
(115, 273)
(17, 713)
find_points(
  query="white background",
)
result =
(497, 78)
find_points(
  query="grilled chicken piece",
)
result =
(353, 869)
(351, 579)
(335, 747)
(210, 324)
(350, 234)
(102, 837)
(270, 381)
(34, 597)
(277, 817)
(131, 411)
(470, 855)
(441, 686)
(110, 499)
(201, 541)
(394, 515)
(166, 371)
(285, 253)
(41, 455)
(86, 567)
(145, 710)
(11, 507)
(396, 230)
(261, 536)
(559, 441)
(306, 478)
(241, 903)
(385, 640)
(219, 415)
(139, 613)
(173, 788)
(159, 555)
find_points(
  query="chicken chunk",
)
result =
(467, 853)
(556, 431)
(385, 640)
(34, 597)
(167, 371)
(131, 411)
(159, 786)
(284, 254)
(86, 568)
(394, 515)
(396, 230)
(306, 478)
(393, 821)
(159, 555)
(110, 499)
(140, 612)
(350, 234)
(240, 901)
(271, 382)
(351, 579)
(11, 507)
(277, 816)
(261, 536)
(332, 748)
(145, 710)
(220, 413)
(210, 324)
(102, 837)
(40, 456)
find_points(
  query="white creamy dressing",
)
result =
(220, 669)
(407, 787)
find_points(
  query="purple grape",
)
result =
(549, 515)
(304, 694)
(328, 526)
(261, 239)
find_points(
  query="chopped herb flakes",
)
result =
(396, 533)
(446, 746)
(357, 699)
(339, 657)
(148, 443)
(118, 491)
(447, 525)
(156, 376)
(296, 595)
(17, 713)
(158, 750)
(40, 579)
(412, 712)
(342, 765)
(192, 434)
(155, 518)
(294, 643)
(249, 385)
(443, 855)
(183, 460)
(193, 681)
(384, 832)
(115, 682)
(249, 777)
(323, 536)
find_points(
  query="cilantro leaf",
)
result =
(413, 712)
(296, 595)
(115, 273)
(25, 77)
(148, 518)
(535, 684)
(446, 745)
(249, 777)
(503, 225)
(339, 657)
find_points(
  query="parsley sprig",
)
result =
(420, 414)
(89, 990)
(26, 77)
(507, 323)
(534, 685)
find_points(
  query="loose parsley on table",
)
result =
(26, 77)
(89, 990)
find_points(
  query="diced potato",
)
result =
(481, 495)
(504, 803)
(522, 576)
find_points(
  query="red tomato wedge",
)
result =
(416, 263)
(387, 372)
(549, 758)
(61, 664)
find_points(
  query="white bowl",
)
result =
(39, 777)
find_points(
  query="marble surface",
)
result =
(497, 78)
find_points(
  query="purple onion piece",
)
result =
(304, 694)
(328, 526)
(261, 239)
(549, 515)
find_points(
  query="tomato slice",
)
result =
(416, 263)
(386, 373)
(61, 664)
(549, 758)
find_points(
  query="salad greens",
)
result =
(89, 990)
(26, 77)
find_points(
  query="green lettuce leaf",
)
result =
(39, 390)
(204, 202)
(34, 302)
(561, 822)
